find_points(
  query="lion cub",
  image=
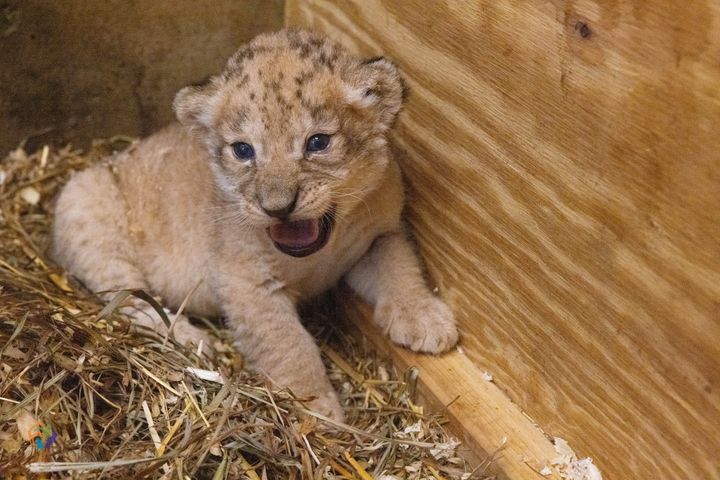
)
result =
(277, 182)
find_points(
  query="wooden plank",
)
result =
(563, 160)
(487, 421)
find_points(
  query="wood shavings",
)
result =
(570, 467)
(151, 426)
(60, 281)
(445, 450)
(44, 157)
(408, 431)
(26, 422)
(209, 375)
(30, 195)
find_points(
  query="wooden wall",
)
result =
(564, 165)
(72, 71)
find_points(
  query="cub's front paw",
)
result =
(189, 335)
(423, 325)
(184, 332)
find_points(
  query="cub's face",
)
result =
(296, 130)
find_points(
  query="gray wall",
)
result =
(86, 69)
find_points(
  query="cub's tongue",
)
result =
(299, 234)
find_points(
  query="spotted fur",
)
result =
(179, 208)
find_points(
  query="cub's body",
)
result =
(181, 234)
(277, 182)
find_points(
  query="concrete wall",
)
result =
(83, 69)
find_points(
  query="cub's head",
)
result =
(296, 129)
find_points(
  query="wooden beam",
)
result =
(480, 414)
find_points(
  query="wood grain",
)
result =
(489, 424)
(564, 168)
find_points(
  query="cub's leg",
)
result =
(269, 334)
(90, 239)
(389, 276)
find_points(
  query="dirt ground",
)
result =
(83, 69)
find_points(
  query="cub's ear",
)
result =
(196, 105)
(376, 85)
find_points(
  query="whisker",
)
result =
(355, 194)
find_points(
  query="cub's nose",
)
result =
(277, 209)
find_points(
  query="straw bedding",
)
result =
(83, 397)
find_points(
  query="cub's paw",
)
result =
(183, 332)
(328, 404)
(189, 335)
(423, 325)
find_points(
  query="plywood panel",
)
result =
(564, 168)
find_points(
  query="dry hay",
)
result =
(131, 406)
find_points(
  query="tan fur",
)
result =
(179, 208)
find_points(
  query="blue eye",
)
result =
(243, 151)
(318, 142)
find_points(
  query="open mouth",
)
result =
(301, 238)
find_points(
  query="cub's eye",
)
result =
(243, 151)
(318, 142)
